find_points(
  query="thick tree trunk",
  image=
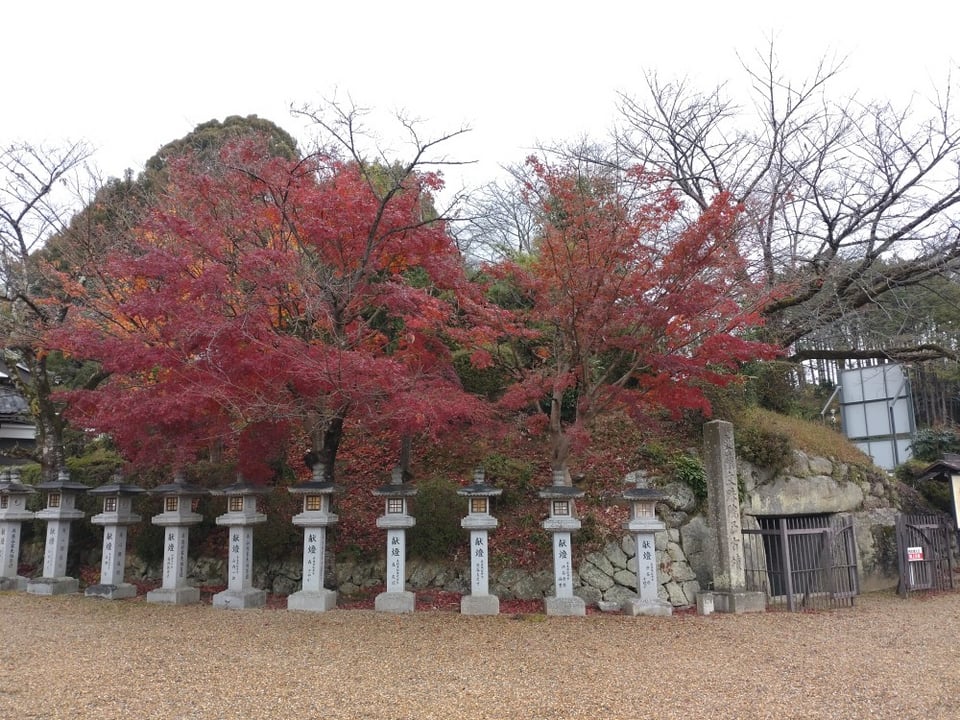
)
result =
(326, 440)
(559, 441)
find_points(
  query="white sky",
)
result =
(129, 76)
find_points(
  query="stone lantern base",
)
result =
(13, 583)
(565, 606)
(479, 605)
(395, 602)
(636, 606)
(240, 599)
(312, 600)
(111, 592)
(175, 596)
(53, 586)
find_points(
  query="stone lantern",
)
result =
(13, 511)
(117, 515)
(561, 522)
(643, 523)
(479, 521)
(59, 513)
(179, 513)
(395, 521)
(314, 519)
(240, 518)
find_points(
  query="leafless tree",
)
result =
(38, 192)
(844, 201)
(497, 223)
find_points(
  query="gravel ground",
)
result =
(74, 657)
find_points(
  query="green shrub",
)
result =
(488, 382)
(764, 448)
(909, 471)
(938, 494)
(931, 443)
(689, 470)
(514, 477)
(654, 453)
(772, 385)
(438, 510)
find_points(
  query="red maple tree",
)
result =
(266, 298)
(624, 304)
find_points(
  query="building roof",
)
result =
(948, 465)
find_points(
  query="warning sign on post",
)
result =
(914, 554)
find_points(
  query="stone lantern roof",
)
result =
(62, 483)
(117, 487)
(178, 487)
(479, 488)
(396, 487)
(11, 485)
(316, 485)
(562, 492)
(242, 487)
(644, 493)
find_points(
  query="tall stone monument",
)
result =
(723, 499)
(395, 521)
(561, 523)
(314, 520)
(13, 512)
(117, 515)
(59, 513)
(479, 522)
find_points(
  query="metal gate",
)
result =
(924, 555)
(802, 562)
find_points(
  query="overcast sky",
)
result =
(130, 76)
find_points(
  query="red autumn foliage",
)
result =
(625, 305)
(264, 297)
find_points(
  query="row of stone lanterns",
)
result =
(180, 501)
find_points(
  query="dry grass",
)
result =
(811, 437)
(72, 657)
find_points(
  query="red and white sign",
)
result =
(914, 554)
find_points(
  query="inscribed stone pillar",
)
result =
(59, 513)
(723, 500)
(240, 517)
(395, 521)
(314, 519)
(117, 515)
(176, 519)
(561, 523)
(479, 522)
(13, 512)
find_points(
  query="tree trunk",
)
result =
(326, 442)
(559, 441)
